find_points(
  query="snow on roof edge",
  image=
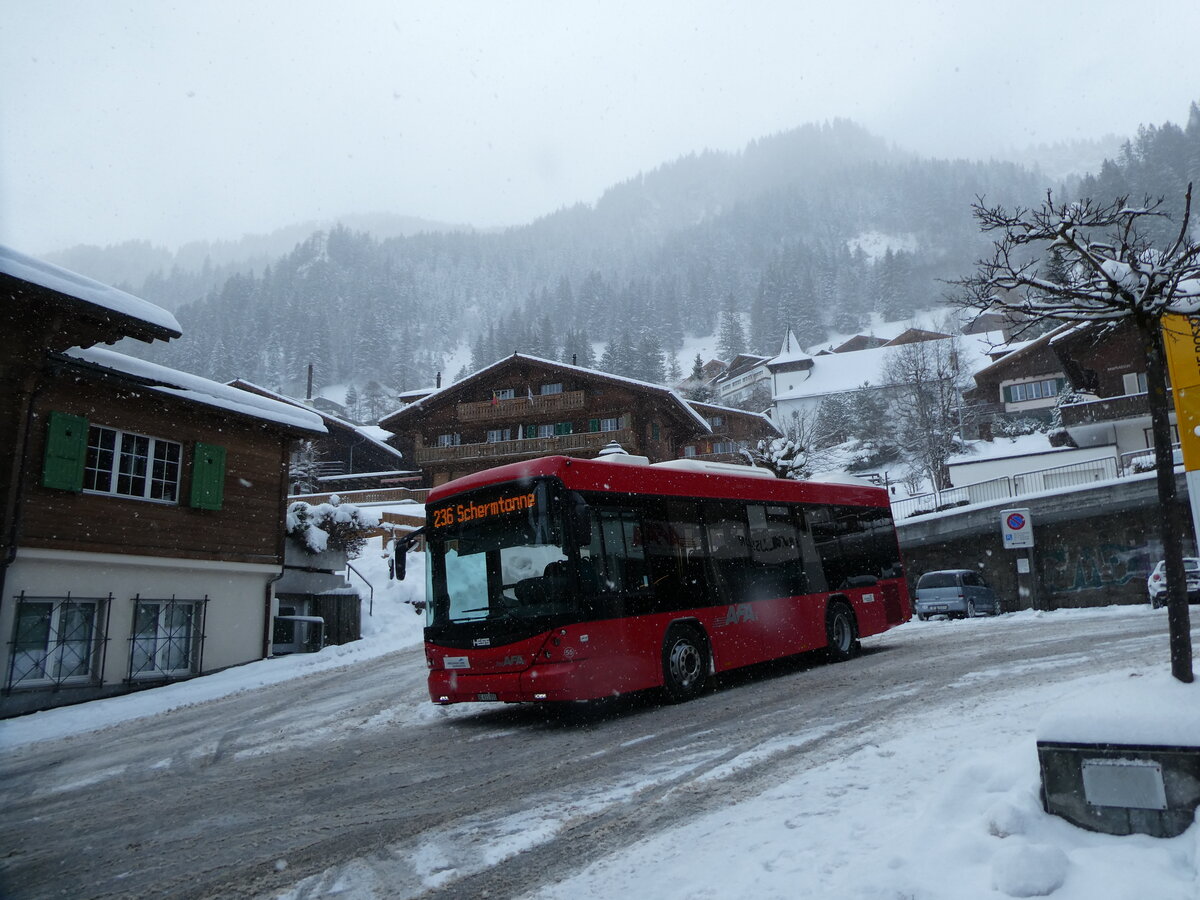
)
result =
(660, 388)
(80, 287)
(201, 390)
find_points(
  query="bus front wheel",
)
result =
(685, 664)
(841, 633)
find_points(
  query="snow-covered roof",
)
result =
(368, 433)
(839, 373)
(201, 390)
(424, 402)
(702, 405)
(80, 287)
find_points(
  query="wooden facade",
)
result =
(142, 508)
(523, 407)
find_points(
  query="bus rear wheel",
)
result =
(841, 633)
(685, 663)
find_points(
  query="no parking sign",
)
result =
(1017, 528)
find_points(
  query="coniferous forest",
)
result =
(816, 229)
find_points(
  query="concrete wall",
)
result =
(234, 620)
(1093, 546)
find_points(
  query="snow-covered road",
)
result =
(904, 773)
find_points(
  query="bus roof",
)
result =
(665, 480)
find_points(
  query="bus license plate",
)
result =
(485, 697)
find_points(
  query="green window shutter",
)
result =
(66, 452)
(208, 476)
(1007, 391)
(593, 424)
(562, 428)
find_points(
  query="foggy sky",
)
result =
(173, 122)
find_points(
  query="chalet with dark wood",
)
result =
(1024, 383)
(348, 457)
(523, 407)
(143, 507)
(1105, 364)
(732, 431)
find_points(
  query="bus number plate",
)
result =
(485, 697)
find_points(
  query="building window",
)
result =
(551, 388)
(724, 447)
(449, 440)
(655, 434)
(716, 421)
(1034, 390)
(165, 638)
(610, 425)
(689, 451)
(496, 435)
(131, 465)
(56, 640)
(1135, 383)
(504, 394)
(545, 431)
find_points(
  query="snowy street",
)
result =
(908, 772)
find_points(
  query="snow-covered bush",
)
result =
(330, 526)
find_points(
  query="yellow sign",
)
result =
(1181, 337)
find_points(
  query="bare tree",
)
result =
(927, 381)
(1091, 262)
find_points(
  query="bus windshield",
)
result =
(497, 555)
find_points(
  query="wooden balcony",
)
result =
(1106, 409)
(543, 405)
(583, 444)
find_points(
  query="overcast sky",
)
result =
(172, 122)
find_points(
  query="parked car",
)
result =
(955, 593)
(1156, 584)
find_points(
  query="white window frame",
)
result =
(126, 464)
(610, 424)
(60, 647)
(505, 394)
(496, 435)
(545, 431)
(168, 645)
(449, 440)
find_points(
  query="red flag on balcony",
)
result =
(494, 400)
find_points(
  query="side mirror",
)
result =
(400, 548)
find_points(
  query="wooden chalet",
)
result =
(524, 407)
(142, 507)
(350, 457)
(733, 430)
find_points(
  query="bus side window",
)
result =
(674, 550)
(774, 552)
(623, 551)
(810, 558)
(728, 550)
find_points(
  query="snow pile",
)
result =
(334, 524)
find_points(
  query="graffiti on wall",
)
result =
(1070, 569)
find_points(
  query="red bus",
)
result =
(571, 579)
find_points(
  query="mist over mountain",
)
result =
(815, 229)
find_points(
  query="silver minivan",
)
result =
(955, 593)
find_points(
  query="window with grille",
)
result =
(132, 465)
(56, 640)
(165, 641)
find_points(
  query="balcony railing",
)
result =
(520, 407)
(1105, 409)
(1007, 486)
(565, 444)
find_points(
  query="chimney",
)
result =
(308, 396)
(574, 359)
(439, 380)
